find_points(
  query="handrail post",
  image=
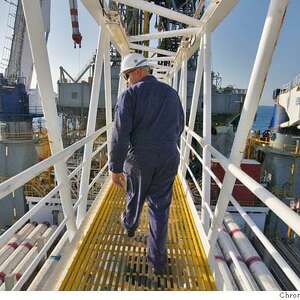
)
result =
(269, 37)
(175, 81)
(183, 97)
(91, 123)
(206, 128)
(36, 33)
(194, 105)
(107, 87)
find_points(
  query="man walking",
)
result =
(148, 123)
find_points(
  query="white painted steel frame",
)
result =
(270, 34)
(271, 201)
(15, 182)
(91, 123)
(206, 128)
(195, 101)
(35, 29)
(9, 233)
(163, 34)
(162, 11)
(213, 15)
(183, 97)
(107, 90)
(152, 50)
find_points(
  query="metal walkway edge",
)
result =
(108, 260)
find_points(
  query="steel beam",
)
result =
(206, 130)
(91, 123)
(269, 37)
(163, 34)
(149, 49)
(161, 11)
(35, 28)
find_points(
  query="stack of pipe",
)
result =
(14, 242)
(25, 263)
(39, 281)
(14, 259)
(224, 270)
(238, 268)
(260, 272)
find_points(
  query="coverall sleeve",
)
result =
(121, 131)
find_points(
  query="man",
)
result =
(148, 123)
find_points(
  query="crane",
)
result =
(76, 35)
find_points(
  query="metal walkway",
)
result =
(108, 260)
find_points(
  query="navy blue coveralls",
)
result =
(148, 123)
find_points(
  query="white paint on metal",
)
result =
(91, 123)
(206, 185)
(261, 66)
(34, 22)
(162, 11)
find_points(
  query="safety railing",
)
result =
(286, 214)
(10, 185)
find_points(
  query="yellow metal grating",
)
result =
(108, 260)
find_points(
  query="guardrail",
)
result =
(12, 184)
(285, 213)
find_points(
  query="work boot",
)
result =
(130, 232)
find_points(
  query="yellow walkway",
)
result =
(108, 260)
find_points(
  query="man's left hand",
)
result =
(118, 179)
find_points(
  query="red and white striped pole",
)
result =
(76, 35)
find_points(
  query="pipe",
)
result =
(14, 242)
(239, 270)
(48, 267)
(24, 264)
(260, 272)
(229, 283)
(14, 259)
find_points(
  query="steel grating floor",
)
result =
(108, 260)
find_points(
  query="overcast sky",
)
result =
(234, 43)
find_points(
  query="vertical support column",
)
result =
(194, 105)
(175, 81)
(36, 33)
(183, 96)
(108, 104)
(122, 85)
(269, 37)
(206, 129)
(91, 123)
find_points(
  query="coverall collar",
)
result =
(147, 78)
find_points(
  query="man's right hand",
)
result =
(118, 179)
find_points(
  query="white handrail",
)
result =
(292, 276)
(20, 179)
(278, 207)
(16, 226)
(59, 229)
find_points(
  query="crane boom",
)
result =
(76, 35)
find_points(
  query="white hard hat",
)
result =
(133, 61)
